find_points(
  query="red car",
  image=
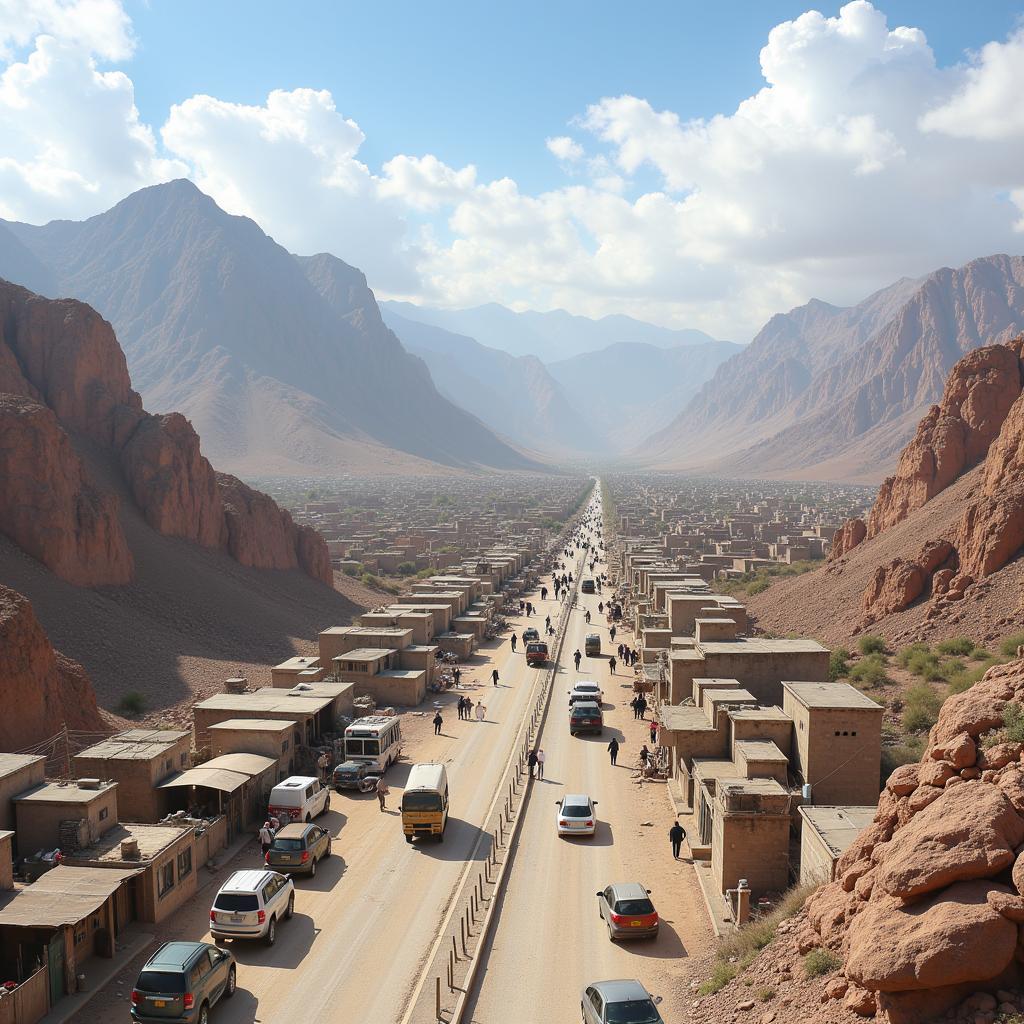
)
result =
(536, 652)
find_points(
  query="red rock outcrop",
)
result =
(897, 585)
(63, 376)
(922, 909)
(262, 534)
(41, 689)
(47, 505)
(847, 537)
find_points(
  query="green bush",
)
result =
(903, 657)
(926, 665)
(870, 672)
(958, 645)
(921, 708)
(721, 974)
(961, 681)
(893, 757)
(952, 668)
(871, 644)
(132, 704)
(406, 568)
(1009, 646)
(758, 587)
(838, 663)
(1013, 723)
(766, 995)
(356, 570)
(821, 961)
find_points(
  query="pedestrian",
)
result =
(514, 640)
(611, 633)
(600, 606)
(586, 615)
(266, 838)
(611, 665)
(635, 705)
(323, 762)
(532, 761)
(613, 749)
(577, 657)
(438, 722)
(676, 835)
(643, 706)
(481, 711)
(382, 791)
(547, 622)
(540, 763)
(457, 675)
(543, 593)
(522, 606)
(654, 732)
(494, 677)
(644, 754)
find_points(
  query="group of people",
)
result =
(613, 753)
(639, 705)
(627, 655)
(536, 763)
(466, 712)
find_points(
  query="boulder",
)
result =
(951, 937)
(905, 779)
(847, 537)
(1010, 905)
(935, 773)
(968, 832)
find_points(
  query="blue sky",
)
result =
(694, 164)
(485, 83)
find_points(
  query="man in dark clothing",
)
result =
(611, 665)
(494, 677)
(457, 674)
(513, 640)
(613, 749)
(532, 761)
(438, 722)
(676, 835)
(577, 657)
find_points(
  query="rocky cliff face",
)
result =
(927, 904)
(40, 688)
(63, 378)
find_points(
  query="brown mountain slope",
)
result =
(939, 553)
(829, 393)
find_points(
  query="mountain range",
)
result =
(283, 364)
(825, 392)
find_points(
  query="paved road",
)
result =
(549, 940)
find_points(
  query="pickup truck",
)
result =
(536, 652)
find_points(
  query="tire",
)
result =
(289, 911)
(307, 818)
(408, 839)
(312, 868)
(611, 934)
(232, 984)
(327, 852)
(204, 1015)
(271, 937)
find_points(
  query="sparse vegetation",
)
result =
(821, 961)
(921, 708)
(766, 995)
(904, 655)
(960, 645)
(838, 663)
(758, 581)
(132, 704)
(758, 933)
(897, 754)
(870, 672)
(871, 644)
(721, 974)
(1008, 648)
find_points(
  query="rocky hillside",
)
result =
(833, 393)
(284, 366)
(939, 548)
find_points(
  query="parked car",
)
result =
(530, 634)
(576, 815)
(249, 905)
(592, 645)
(536, 652)
(298, 798)
(297, 848)
(181, 981)
(627, 909)
(619, 1002)
(350, 775)
(585, 689)
(588, 587)
(585, 716)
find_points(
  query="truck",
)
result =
(536, 652)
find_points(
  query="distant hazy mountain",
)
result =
(515, 395)
(550, 336)
(836, 393)
(633, 388)
(283, 365)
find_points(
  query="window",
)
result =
(284, 745)
(164, 879)
(104, 811)
(184, 864)
(167, 765)
(184, 758)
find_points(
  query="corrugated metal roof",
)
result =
(64, 895)
(211, 778)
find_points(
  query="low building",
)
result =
(66, 815)
(272, 739)
(824, 837)
(18, 773)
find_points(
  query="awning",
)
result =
(64, 895)
(210, 778)
(243, 764)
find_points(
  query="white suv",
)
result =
(249, 905)
(298, 798)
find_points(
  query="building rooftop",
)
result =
(270, 700)
(761, 750)
(770, 714)
(365, 654)
(152, 840)
(357, 630)
(136, 744)
(11, 763)
(838, 826)
(61, 793)
(830, 695)
(255, 725)
(759, 645)
(64, 895)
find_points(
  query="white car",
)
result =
(249, 905)
(298, 798)
(585, 689)
(576, 815)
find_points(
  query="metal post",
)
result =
(451, 974)
(437, 997)
(462, 936)
(455, 951)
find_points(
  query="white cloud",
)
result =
(564, 148)
(100, 27)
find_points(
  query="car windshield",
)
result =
(236, 902)
(634, 907)
(160, 981)
(633, 1011)
(575, 811)
(287, 844)
(421, 801)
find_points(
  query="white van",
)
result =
(298, 798)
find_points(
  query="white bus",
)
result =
(375, 741)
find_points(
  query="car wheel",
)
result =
(312, 869)
(307, 817)
(232, 982)
(290, 909)
(611, 934)
(271, 937)
(408, 839)
(327, 852)
(204, 1015)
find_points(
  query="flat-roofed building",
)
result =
(274, 739)
(68, 815)
(825, 835)
(18, 773)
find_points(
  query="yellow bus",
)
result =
(425, 802)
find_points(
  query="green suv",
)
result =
(181, 981)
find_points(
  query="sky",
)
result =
(694, 164)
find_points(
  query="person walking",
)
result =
(323, 762)
(438, 722)
(613, 749)
(611, 665)
(540, 763)
(481, 711)
(611, 633)
(494, 677)
(676, 835)
(266, 838)
(577, 657)
(531, 761)
(382, 791)
(457, 675)
(644, 754)
(513, 640)
(458, 707)
(643, 706)
(635, 705)
(654, 732)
